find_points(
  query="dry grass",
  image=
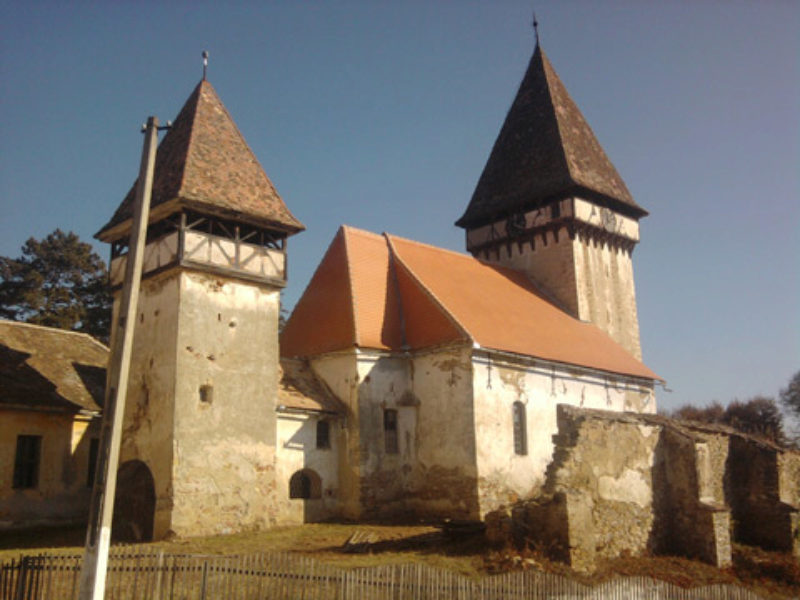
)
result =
(772, 575)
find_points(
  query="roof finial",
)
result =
(536, 28)
(205, 63)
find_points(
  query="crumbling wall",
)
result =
(762, 486)
(623, 483)
(692, 519)
(598, 498)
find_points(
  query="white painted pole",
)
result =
(98, 534)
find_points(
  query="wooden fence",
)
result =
(158, 576)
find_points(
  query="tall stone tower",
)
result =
(199, 436)
(550, 203)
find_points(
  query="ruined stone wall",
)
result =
(692, 518)
(504, 476)
(623, 483)
(61, 495)
(607, 494)
(762, 490)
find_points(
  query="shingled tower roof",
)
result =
(545, 151)
(204, 163)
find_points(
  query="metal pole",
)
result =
(98, 534)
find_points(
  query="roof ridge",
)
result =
(549, 87)
(196, 93)
(54, 329)
(353, 309)
(359, 231)
(436, 300)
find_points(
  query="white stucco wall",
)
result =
(498, 382)
(297, 450)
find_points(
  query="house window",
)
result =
(390, 431)
(94, 448)
(323, 434)
(26, 461)
(520, 429)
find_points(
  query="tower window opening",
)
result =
(390, 431)
(520, 429)
(323, 434)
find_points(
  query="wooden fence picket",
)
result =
(135, 572)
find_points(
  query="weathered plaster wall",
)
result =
(340, 373)
(444, 482)
(606, 291)
(505, 477)
(61, 495)
(433, 472)
(149, 410)
(201, 403)
(226, 385)
(297, 450)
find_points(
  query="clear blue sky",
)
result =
(381, 115)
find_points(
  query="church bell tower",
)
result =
(550, 203)
(198, 447)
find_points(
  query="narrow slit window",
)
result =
(323, 434)
(390, 431)
(520, 429)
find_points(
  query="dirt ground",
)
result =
(772, 575)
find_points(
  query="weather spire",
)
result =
(536, 28)
(205, 63)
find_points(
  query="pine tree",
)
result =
(58, 282)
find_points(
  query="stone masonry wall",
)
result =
(629, 483)
(762, 486)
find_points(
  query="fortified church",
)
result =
(410, 381)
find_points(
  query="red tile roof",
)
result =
(204, 163)
(389, 293)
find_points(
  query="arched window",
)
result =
(305, 485)
(520, 429)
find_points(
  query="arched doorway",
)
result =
(305, 485)
(134, 503)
